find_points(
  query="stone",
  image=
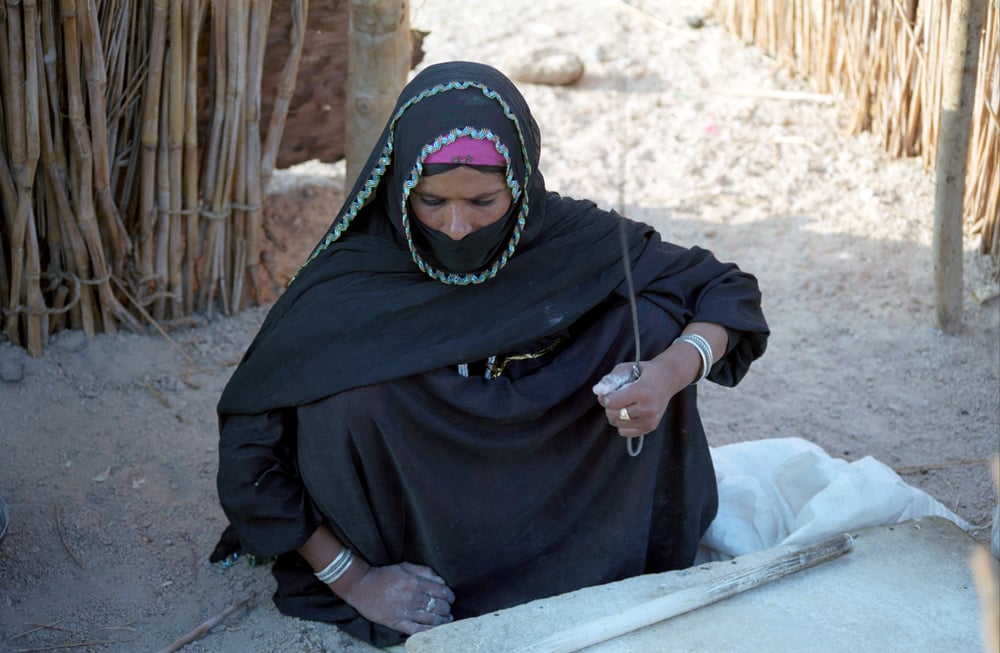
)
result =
(71, 341)
(548, 66)
(695, 22)
(876, 598)
(11, 364)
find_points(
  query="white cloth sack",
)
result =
(790, 491)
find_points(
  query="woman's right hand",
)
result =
(405, 597)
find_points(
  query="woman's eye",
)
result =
(429, 201)
(484, 202)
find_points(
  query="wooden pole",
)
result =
(282, 101)
(964, 26)
(378, 61)
(777, 563)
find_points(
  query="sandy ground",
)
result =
(108, 446)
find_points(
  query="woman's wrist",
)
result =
(333, 563)
(681, 366)
(343, 586)
(709, 343)
(704, 350)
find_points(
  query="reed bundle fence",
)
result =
(885, 60)
(121, 204)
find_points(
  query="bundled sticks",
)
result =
(131, 189)
(885, 59)
(982, 194)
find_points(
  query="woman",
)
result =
(415, 431)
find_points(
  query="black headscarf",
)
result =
(368, 307)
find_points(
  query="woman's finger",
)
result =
(422, 571)
(432, 613)
(410, 627)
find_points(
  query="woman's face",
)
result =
(460, 201)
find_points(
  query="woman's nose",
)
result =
(456, 224)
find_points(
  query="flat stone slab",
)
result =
(904, 587)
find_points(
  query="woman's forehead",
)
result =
(462, 182)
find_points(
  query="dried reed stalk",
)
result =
(215, 162)
(8, 201)
(113, 233)
(195, 12)
(260, 16)
(162, 223)
(54, 160)
(12, 76)
(300, 9)
(8, 194)
(175, 145)
(149, 141)
(81, 163)
(21, 113)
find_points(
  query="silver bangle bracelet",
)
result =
(337, 567)
(704, 350)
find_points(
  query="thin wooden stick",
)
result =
(222, 146)
(153, 322)
(162, 230)
(919, 469)
(245, 141)
(201, 630)
(54, 163)
(36, 628)
(279, 112)
(175, 145)
(149, 141)
(14, 102)
(51, 626)
(82, 157)
(792, 96)
(94, 65)
(776, 564)
(62, 536)
(156, 393)
(58, 647)
(253, 192)
(37, 321)
(196, 16)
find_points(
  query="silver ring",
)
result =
(430, 605)
(623, 415)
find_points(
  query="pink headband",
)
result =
(468, 151)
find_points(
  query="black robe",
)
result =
(349, 410)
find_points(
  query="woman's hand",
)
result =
(405, 597)
(636, 407)
(644, 400)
